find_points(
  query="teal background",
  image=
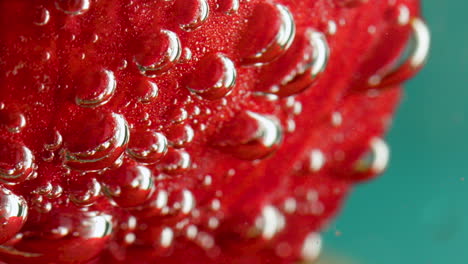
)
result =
(417, 213)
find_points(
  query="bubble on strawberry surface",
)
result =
(214, 77)
(377, 158)
(331, 27)
(205, 240)
(40, 204)
(49, 190)
(86, 192)
(73, 7)
(305, 60)
(186, 54)
(16, 162)
(213, 223)
(250, 136)
(290, 125)
(191, 232)
(107, 138)
(157, 205)
(270, 32)
(95, 88)
(158, 53)
(180, 135)
(167, 237)
(44, 189)
(147, 146)
(308, 203)
(41, 16)
(316, 160)
(418, 54)
(228, 6)
(124, 231)
(188, 202)
(336, 119)
(421, 43)
(404, 15)
(147, 91)
(289, 205)
(271, 222)
(13, 121)
(207, 180)
(312, 247)
(13, 213)
(179, 115)
(176, 161)
(181, 202)
(55, 142)
(66, 233)
(56, 192)
(130, 185)
(191, 13)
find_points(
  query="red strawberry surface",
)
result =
(192, 131)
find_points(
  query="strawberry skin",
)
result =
(219, 131)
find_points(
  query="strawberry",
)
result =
(214, 131)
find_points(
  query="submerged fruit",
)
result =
(215, 131)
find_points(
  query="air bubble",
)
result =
(167, 236)
(213, 223)
(228, 6)
(41, 17)
(157, 205)
(100, 149)
(13, 121)
(214, 77)
(179, 115)
(270, 31)
(207, 180)
(191, 13)
(16, 162)
(55, 143)
(147, 91)
(188, 202)
(332, 27)
(215, 204)
(271, 222)
(158, 53)
(130, 185)
(404, 15)
(316, 160)
(419, 51)
(180, 135)
(299, 67)
(67, 231)
(376, 160)
(95, 88)
(13, 213)
(191, 232)
(176, 161)
(336, 119)
(147, 146)
(205, 240)
(312, 247)
(250, 136)
(290, 205)
(73, 7)
(87, 194)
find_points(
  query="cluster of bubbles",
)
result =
(132, 152)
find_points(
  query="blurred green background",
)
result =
(417, 213)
